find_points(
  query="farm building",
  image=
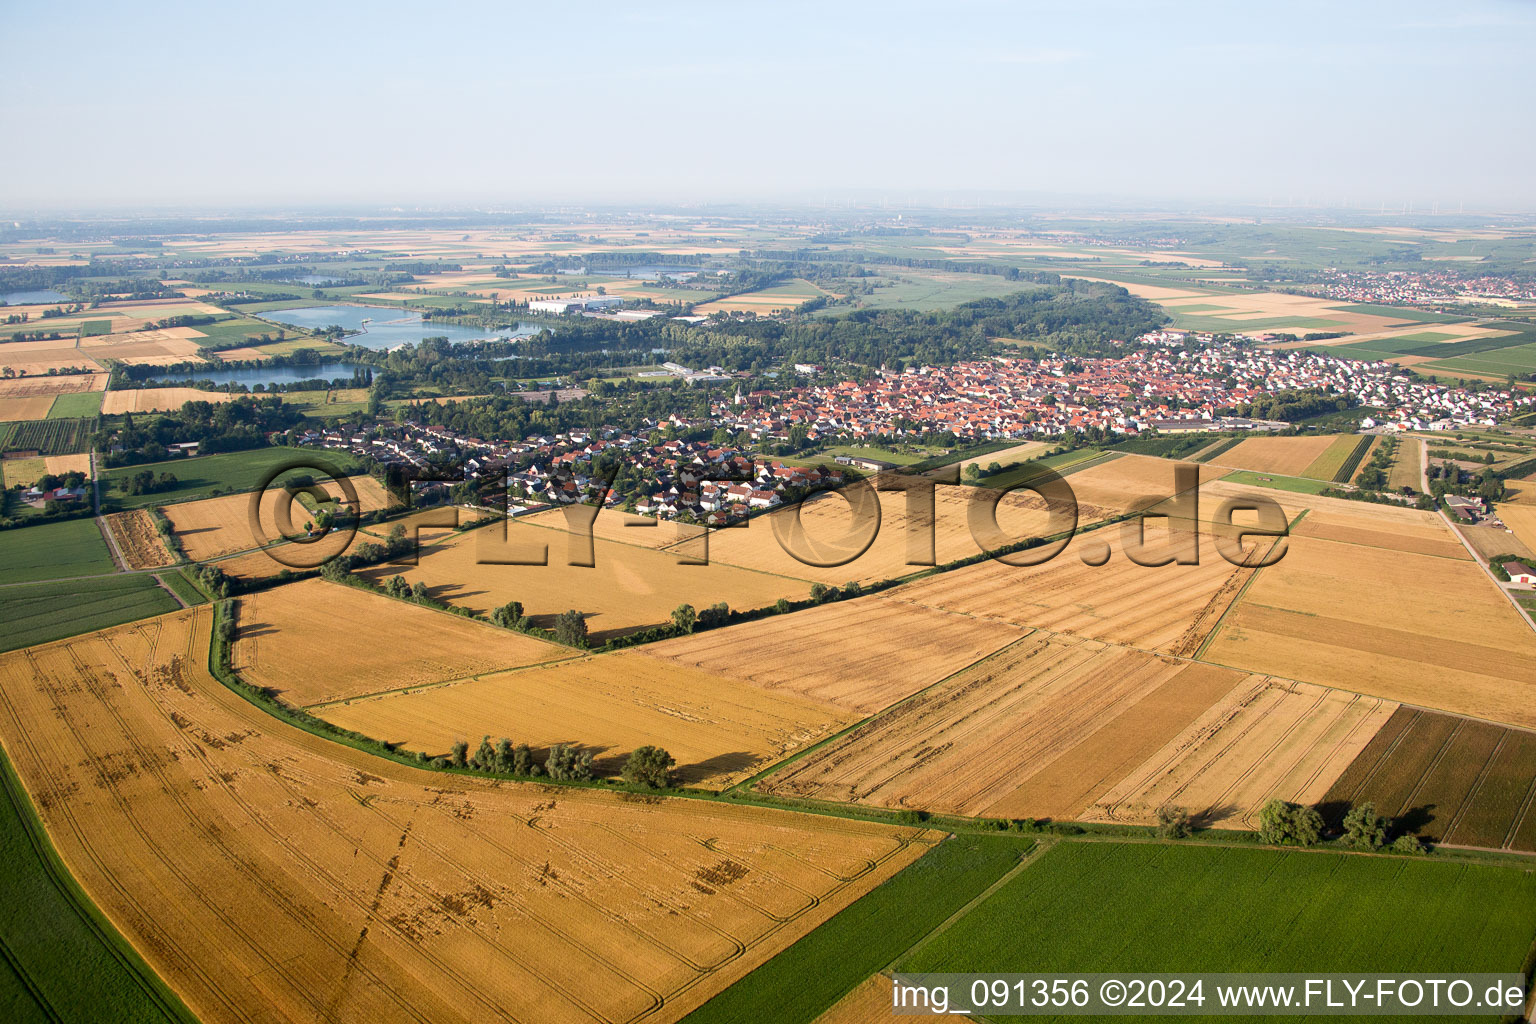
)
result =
(1520, 573)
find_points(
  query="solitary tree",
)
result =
(649, 766)
(460, 757)
(683, 618)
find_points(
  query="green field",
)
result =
(62, 960)
(229, 473)
(800, 983)
(883, 454)
(1327, 465)
(182, 587)
(91, 328)
(240, 329)
(83, 405)
(932, 289)
(1158, 907)
(52, 551)
(42, 612)
(1276, 482)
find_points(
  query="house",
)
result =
(1520, 573)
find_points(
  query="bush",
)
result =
(1173, 822)
(1408, 844)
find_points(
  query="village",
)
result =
(1172, 382)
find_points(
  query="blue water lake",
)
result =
(27, 298)
(388, 327)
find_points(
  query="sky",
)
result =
(512, 105)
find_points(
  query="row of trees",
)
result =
(649, 766)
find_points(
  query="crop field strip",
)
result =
(314, 642)
(1267, 739)
(1450, 779)
(1167, 609)
(862, 655)
(614, 908)
(1039, 729)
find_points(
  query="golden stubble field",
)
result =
(720, 730)
(1264, 740)
(625, 589)
(861, 655)
(1169, 609)
(1286, 456)
(158, 399)
(256, 865)
(215, 527)
(1385, 618)
(1040, 729)
(314, 641)
(62, 384)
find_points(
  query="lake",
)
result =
(265, 374)
(388, 327)
(27, 298)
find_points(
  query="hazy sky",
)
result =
(443, 102)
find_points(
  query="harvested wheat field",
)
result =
(58, 465)
(898, 544)
(1380, 526)
(315, 641)
(60, 384)
(1286, 456)
(1170, 609)
(1008, 456)
(627, 588)
(1265, 740)
(862, 655)
(1408, 627)
(158, 399)
(1118, 485)
(620, 527)
(256, 865)
(215, 527)
(138, 540)
(29, 407)
(988, 740)
(145, 348)
(720, 730)
(1491, 542)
